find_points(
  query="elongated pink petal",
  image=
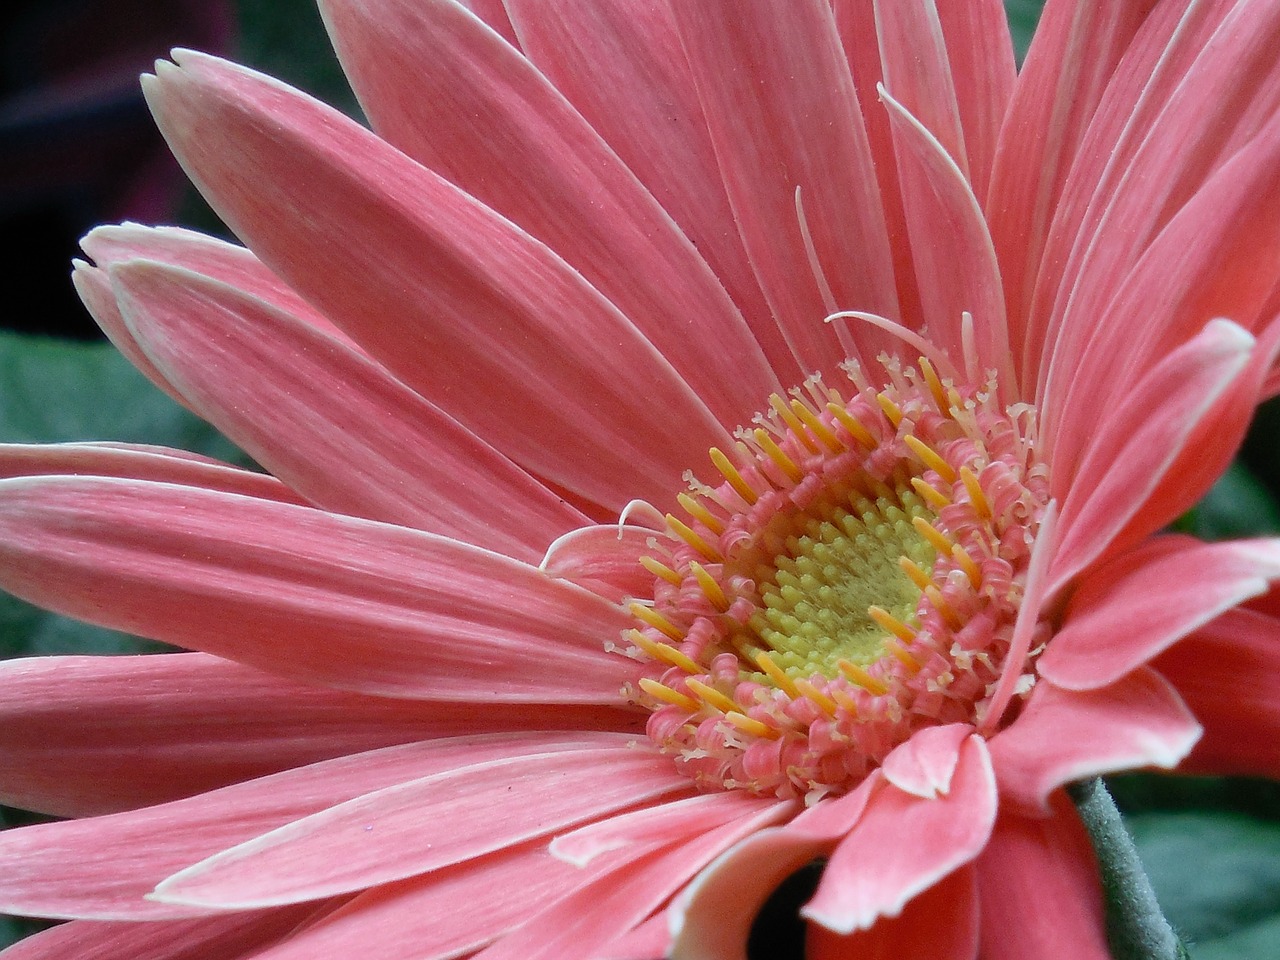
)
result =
(447, 294)
(939, 924)
(925, 764)
(481, 115)
(174, 726)
(494, 13)
(1137, 443)
(1212, 444)
(856, 25)
(423, 825)
(1039, 889)
(94, 288)
(784, 119)
(104, 867)
(1025, 627)
(955, 262)
(1211, 92)
(657, 824)
(231, 937)
(917, 72)
(1228, 673)
(711, 918)
(922, 842)
(334, 426)
(138, 462)
(444, 914)
(980, 52)
(207, 256)
(1144, 601)
(1139, 721)
(595, 914)
(1054, 99)
(621, 65)
(1219, 257)
(345, 602)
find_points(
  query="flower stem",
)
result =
(1136, 927)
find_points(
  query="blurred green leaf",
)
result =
(1023, 17)
(1137, 793)
(1238, 505)
(287, 39)
(1260, 941)
(59, 390)
(1217, 876)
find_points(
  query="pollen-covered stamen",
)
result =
(855, 576)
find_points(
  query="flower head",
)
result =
(702, 438)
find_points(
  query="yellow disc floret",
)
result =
(854, 576)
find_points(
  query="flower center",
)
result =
(854, 575)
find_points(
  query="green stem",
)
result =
(1136, 927)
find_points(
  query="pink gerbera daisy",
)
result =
(598, 583)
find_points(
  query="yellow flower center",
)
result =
(854, 576)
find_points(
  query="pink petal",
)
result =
(174, 726)
(444, 914)
(1039, 889)
(856, 25)
(104, 867)
(1219, 257)
(621, 65)
(1140, 604)
(446, 293)
(345, 602)
(656, 824)
(1206, 91)
(917, 72)
(980, 51)
(925, 764)
(1138, 721)
(913, 842)
(1212, 444)
(834, 817)
(423, 825)
(230, 937)
(956, 267)
(1136, 443)
(494, 13)
(207, 256)
(1228, 673)
(651, 939)
(482, 116)
(784, 118)
(1034, 599)
(711, 919)
(94, 288)
(1074, 54)
(138, 462)
(603, 558)
(332, 425)
(939, 924)
(600, 912)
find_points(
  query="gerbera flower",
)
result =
(599, 583)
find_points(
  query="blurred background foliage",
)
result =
(77, 148)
